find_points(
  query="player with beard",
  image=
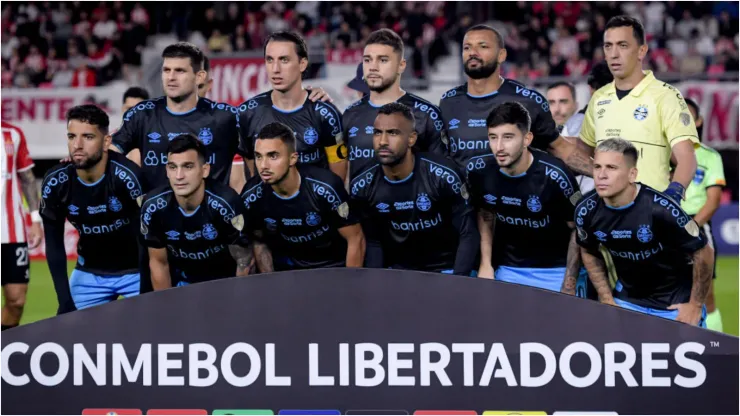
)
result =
(194, 219)
(466, 107)
(316, 125)
(413, 206)
(98, 193)
(299, 214)
(383, 64)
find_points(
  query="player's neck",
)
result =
(289, 100)
(623, 198)
(631, 81)
(392, 94)
(290, 185)
(94, 173)
(401, 170)
(521, 166)
(485, 86)
(184, 105)
(192, 202)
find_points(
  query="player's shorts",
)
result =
(661, 313)
(14, 264)
(91, 290)
(550, 278)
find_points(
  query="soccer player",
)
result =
(660, 262)
(383, 64)
(650, 113)
(413, 206)
(299, 213)
(132, 97)
(316, 125)
(529, 195)
(561, 96)
(98, 192)
(197, 220)
(18, 179)
(465, 108)
(702, 200)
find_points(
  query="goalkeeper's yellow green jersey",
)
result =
(709, 172)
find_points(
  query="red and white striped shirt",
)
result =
(15, 159)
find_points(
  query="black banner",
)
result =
(349, 339)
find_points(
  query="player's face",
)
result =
(284, 67)
(185, 172)
(623, 54)
(612, 173)
(273, 160)
(393, 137)
(86, 144)
(481, 54)
(507, 143)
(178, 79)
(381, 66)
(130, 102)
(562, 104)
(205, 88)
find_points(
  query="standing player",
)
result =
(383, 64)
(17, 179)
(702, 200)
(299, 213)
(532, 195)
(131, 98)
(316, 125)
(650, 113)
(466, 107)
(196, 220)
(662, 264)
(414, 207)
(98, 194)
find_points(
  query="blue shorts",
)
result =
(92, 290)
(550, 279)
(661, 313)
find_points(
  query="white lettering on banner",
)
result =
(393, 364)
(235, 80)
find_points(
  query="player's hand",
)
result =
(688, 313)
(66, 307)
(485, 272)
(34, 235)
(318, 94)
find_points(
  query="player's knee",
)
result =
(16, 301)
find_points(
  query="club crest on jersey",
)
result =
(353, 132)
(310, 136)
(209, 232)
(600, 235)
(270, 224)
(173, 235)
(369, 129)
(154, 137)
(644, 234)
(423, 202)
(534, 204)
(114, 204)
(641, 113)
(73, 210)
(313, 219)
(205, 135)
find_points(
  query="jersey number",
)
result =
(22, 254)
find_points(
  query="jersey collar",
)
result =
(639, 88)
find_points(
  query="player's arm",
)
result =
(373, 248)
(263, 257)
(244, 257)
(680, 134)
(128, 137)
(331, 138)
(160, 268)
(433, 133)
(355, 244)
(685, 168)
(463, 219)
(337, 156)
(597, 274)
(56, 257)
(572, 264)
(237, 180)
(486, 224)
(575, 153)
(715, 180)
(246, 144)
(703, 271)
(30, 191)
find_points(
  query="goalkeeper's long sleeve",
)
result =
(56, 257)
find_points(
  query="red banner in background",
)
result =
(718, 103)
(235, 80)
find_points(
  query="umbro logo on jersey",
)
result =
(600, 235)
(490, 199)
(454, 123)
(382, 207)
(369, 129)
(173, 235)
(154, 137)
(353, 132)
(73, 210)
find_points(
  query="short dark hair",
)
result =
(185, 50)
(691, 103)
(559, 84)
(398, 108)
(90, 114)
(386, 37)
(638, 30)
(600, 76)
(619, 145)
(510, 113)
(184, 142)
(279, 131)
(499, 36)
(206, 64)
(287, 36)
(135, 92)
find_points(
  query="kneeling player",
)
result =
(195, 219)
(529, 195)
(299, 213)
(662, 263)
(98, 193)
(414, 207)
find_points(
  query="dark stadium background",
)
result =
(92, 50)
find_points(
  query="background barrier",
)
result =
(366, 339)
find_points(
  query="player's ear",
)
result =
(293, 159)
(402, 65)
(412, 138)
(200, 77)
(642, 51)
(303, 64)
(633, 174)
(528, 138)
(206, 170)
(107, 140)
(501, 55)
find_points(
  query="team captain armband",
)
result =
(336, 153)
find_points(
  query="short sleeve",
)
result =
(588, 134)
(715, 173)
(233, 223)
(23, 157)
(128, 137)
(544, 129)
(51, 207)
(246, 141)
(332, 130)
(677, 229)
(569, 194)
(150, 224)
(582, 218)
(433, 133)
(678, 124)
(342, 215)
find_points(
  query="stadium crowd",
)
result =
(80, 44)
